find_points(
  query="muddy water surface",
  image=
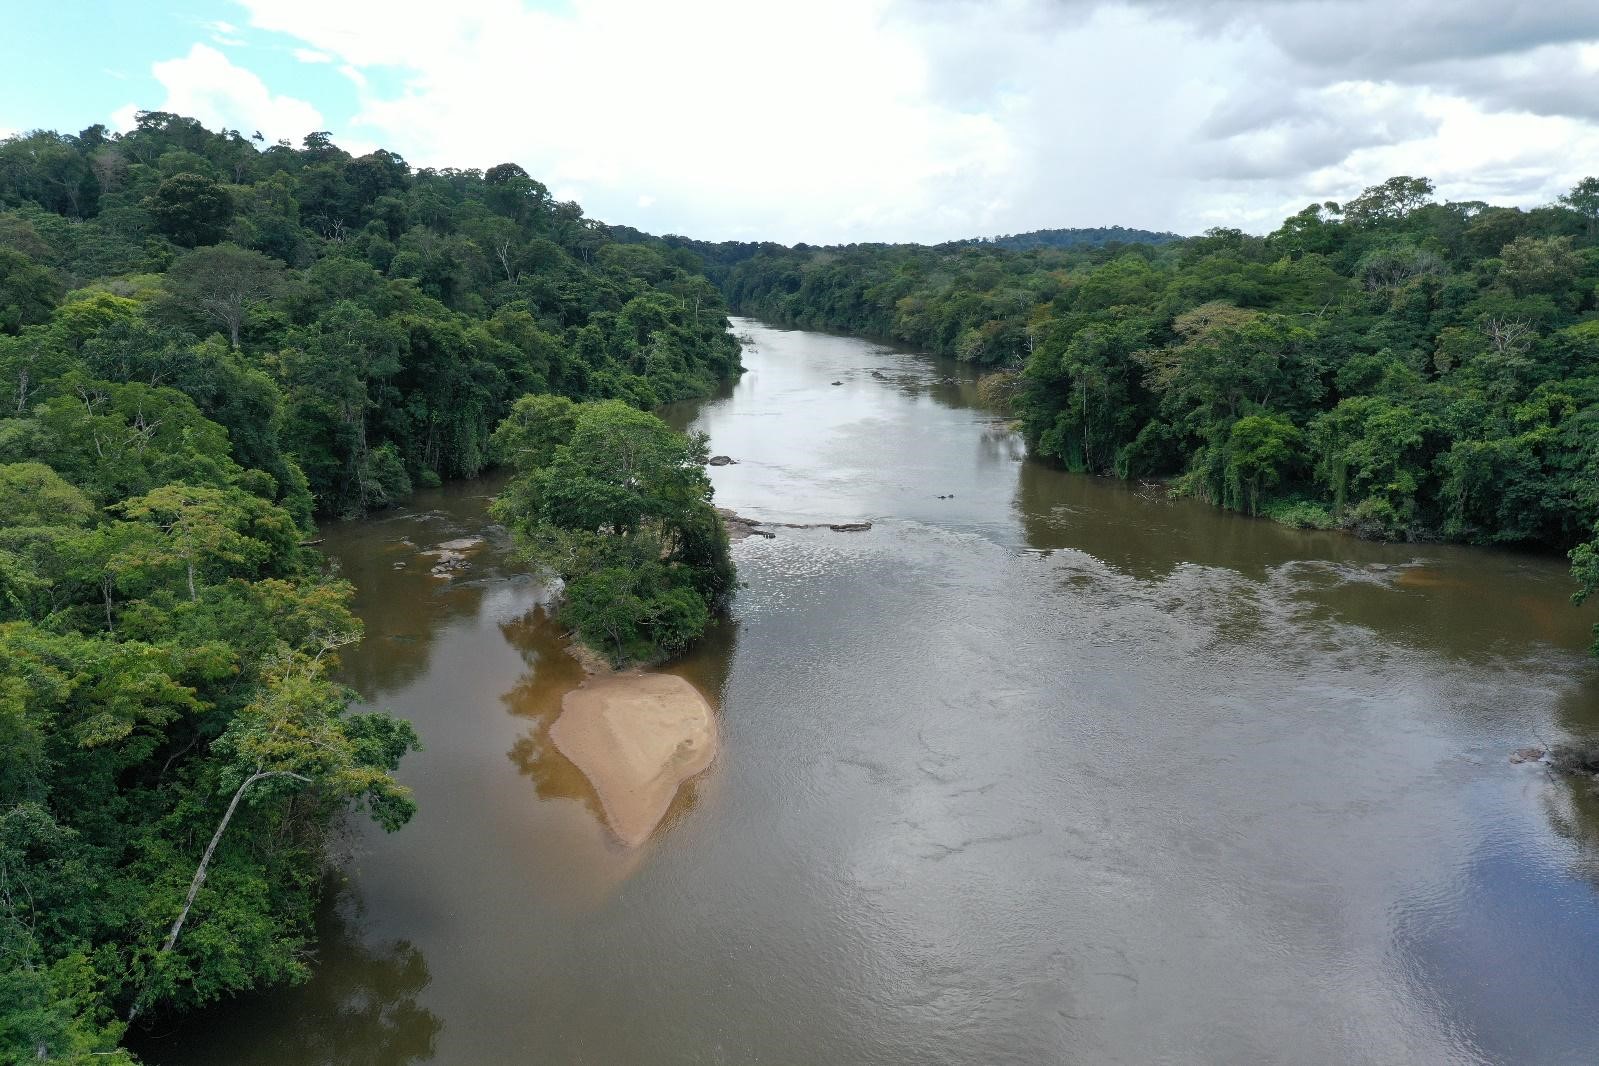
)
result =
(1049, 770)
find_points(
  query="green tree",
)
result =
(1584, 199)
(1391, 201)
(1261, 449)
(207, 531)
(1585, 569)
(191, 209)
(297, 733)
(619, 506)
(27, 292)
(222, 284)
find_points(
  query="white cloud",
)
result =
(207, 85)
(754, 119)
(928, 119)
(311, 55)
(225, 34)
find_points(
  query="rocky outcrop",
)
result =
(451, 555)
(721, 460)
(739, 527)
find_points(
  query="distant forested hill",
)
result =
(1077, 237)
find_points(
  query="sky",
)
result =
(835, 121)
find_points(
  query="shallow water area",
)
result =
(1040, 768)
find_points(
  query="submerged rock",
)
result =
(637, 738)
(721, 460)
(850, 527)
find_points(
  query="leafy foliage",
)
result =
(385, 317)
(617, 504)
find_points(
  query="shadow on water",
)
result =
(363, 1008)
(385, 556)
(1463, 602)
(551, 673)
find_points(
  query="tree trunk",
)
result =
(205, 862)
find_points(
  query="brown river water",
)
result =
(1054, 771)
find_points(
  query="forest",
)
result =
(1399, 367)
(206, 343)
(1074, 237)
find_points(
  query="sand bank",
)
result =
(637, 738)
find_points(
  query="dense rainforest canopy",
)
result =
(1394, 365)
(204, 342)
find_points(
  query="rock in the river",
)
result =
(738, 527)
(1521, 755)
(637, 738)
(447, 562)
(838, 383)
(850, 527)
(450, 556)
(721, 460)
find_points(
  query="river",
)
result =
(1051, 770)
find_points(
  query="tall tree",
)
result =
(192, 209)
(221, 284)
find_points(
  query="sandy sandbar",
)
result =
(637, 738)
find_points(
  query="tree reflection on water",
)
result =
(361, 1008)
